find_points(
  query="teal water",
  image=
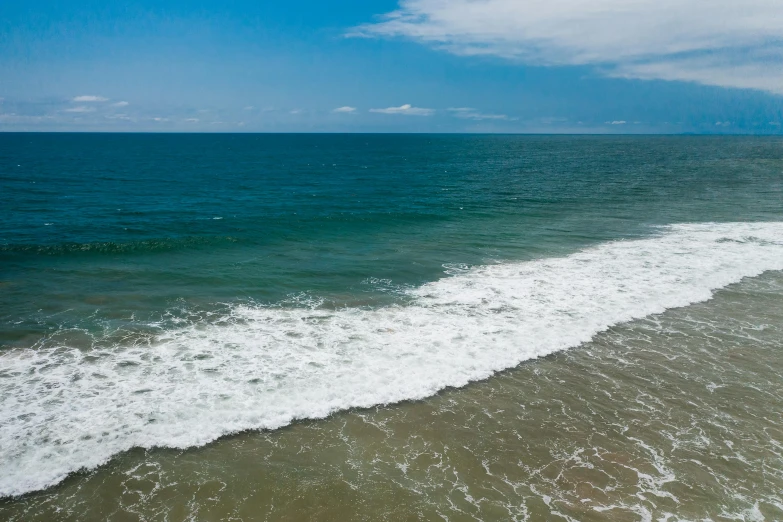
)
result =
(167, 290)
(112, 225)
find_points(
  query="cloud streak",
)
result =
(468, 113)
(346, 109)
(683, 40)
(89, 98)
(406, 109)
(80, 108)
(765, 74)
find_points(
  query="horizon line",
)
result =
(687, 133)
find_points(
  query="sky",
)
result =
(540, 66)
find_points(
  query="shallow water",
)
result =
(665, 403)
(678, 414)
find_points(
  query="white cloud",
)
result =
(728, 43)
(297, 111)
(617, 122)
(473, 114)
(160, 119)
(761, 73)
(89, 98)
(345, 109)
(192, 120)
(80, 108)
(120, 104)
(405, 109)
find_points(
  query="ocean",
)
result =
(390, 327)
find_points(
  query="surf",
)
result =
(65, 408)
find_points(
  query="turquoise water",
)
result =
(167, 290)
(107, 226)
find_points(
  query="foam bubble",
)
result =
(64, 409)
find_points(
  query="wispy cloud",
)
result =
(762, 73)
(124, 117)
(345, 109)
(616, 122)
(727, 43)
(473, 114)
(296, 111)
(120, 104)
(406, 109)
(14, 118)
(80, 108)
(89, 98)
(192, 120)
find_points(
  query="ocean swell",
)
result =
(63, 409)
(113, 247)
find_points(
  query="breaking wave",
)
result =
(64, 408)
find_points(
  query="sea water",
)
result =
(398, 327)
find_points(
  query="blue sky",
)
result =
(386, 66)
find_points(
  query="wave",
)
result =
(63, 409)
(115, 247)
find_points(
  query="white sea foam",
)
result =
(64, 409)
